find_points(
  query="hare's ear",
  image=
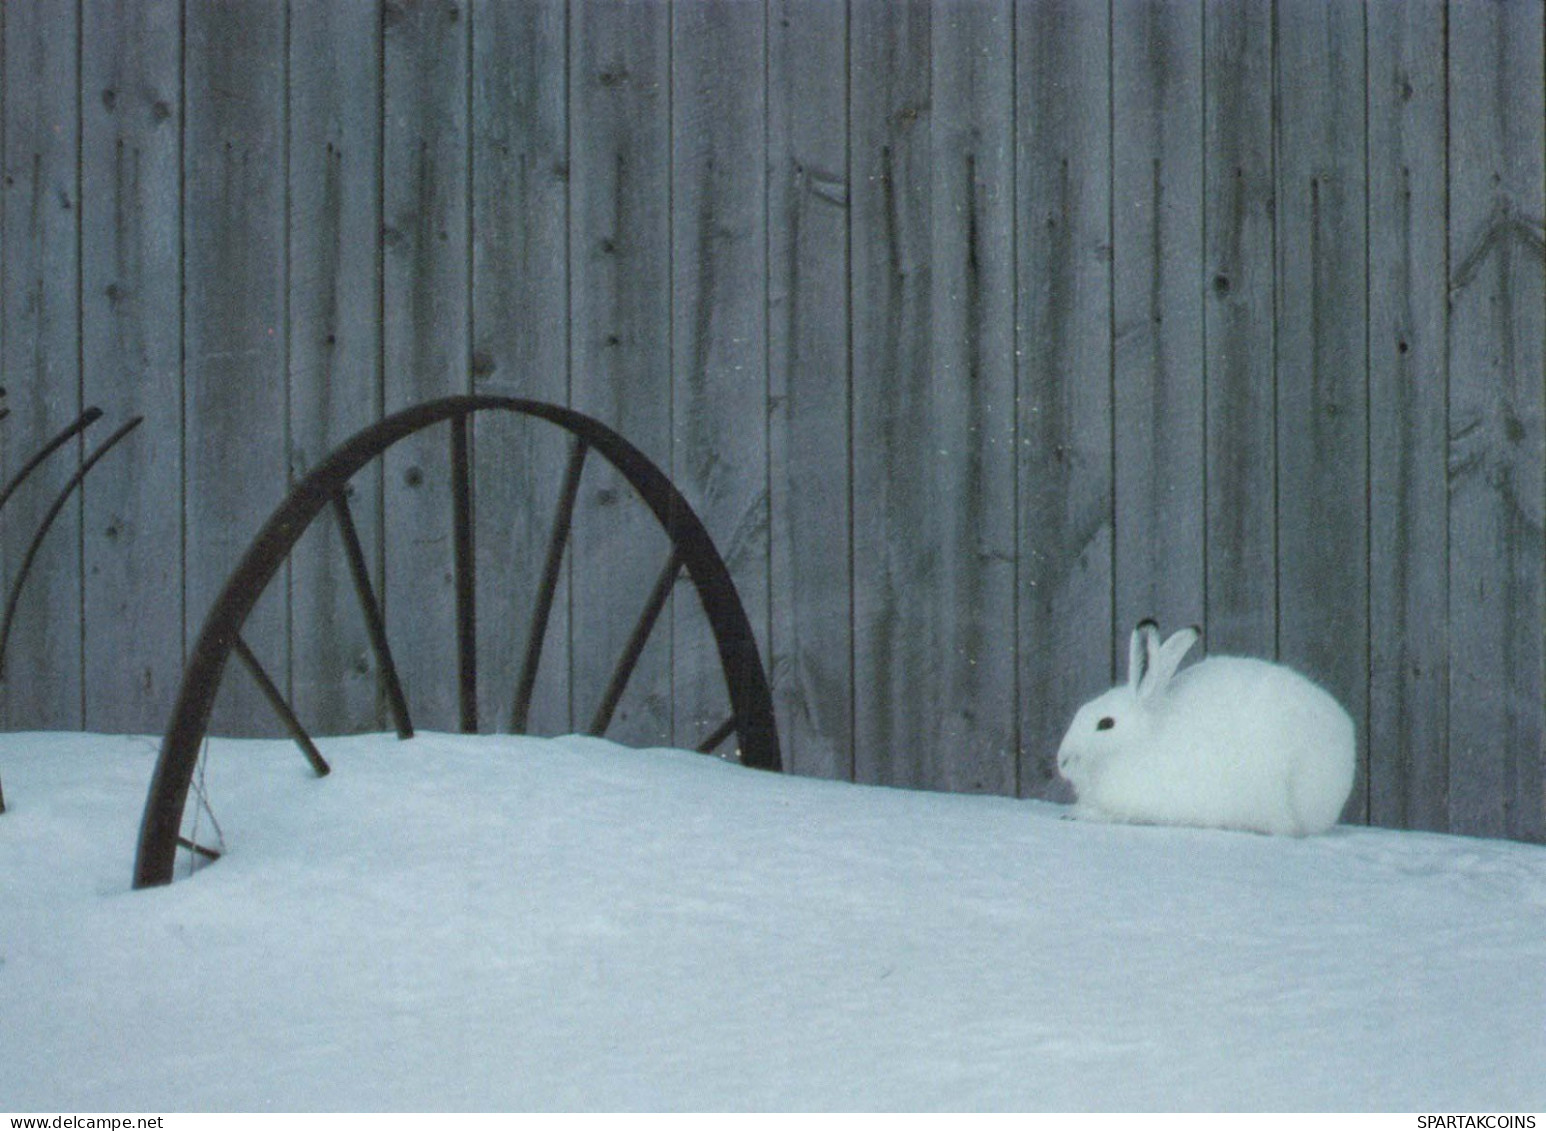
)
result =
(1141, 651)
(1168, 659)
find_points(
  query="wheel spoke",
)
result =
(720, 733)
(198, 849)
(548, 586)
(466, 576)
(375, 624)
(276, 700)
(635, 647)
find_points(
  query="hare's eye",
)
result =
(1106, 724)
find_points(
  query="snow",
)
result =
(504, 923)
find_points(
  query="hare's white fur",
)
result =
(1230, 742)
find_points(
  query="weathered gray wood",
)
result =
(719, 326)
(1495, 421)
(1408, 777)
(620, 265)
(1241, 580)
(811, 632)
(964, 658)
(335, 345)
(39, 335)
(1322, 409)
(425, 304)
(1190, 186)
(1157, 218)
(234, 320)
(521, 316)
(131, 352)
(1062, 152)
(891, 247)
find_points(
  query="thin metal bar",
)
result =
(466, 576)
(82, 422)
(635, 647)
(276, 700)
(375, 626)
(562, 520)
(198, 849)
(722, 732)
(53, 513)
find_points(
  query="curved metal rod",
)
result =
(48, 521)
(751, 700)
(82, 422)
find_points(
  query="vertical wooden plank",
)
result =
(1408, 567)
(719, 312)
(1496, 461)
(891, 155)
(39, 276)
(933, 389)
(812, 608)
(1157, 216)
(234, 330)
(620, 264)
(131, 342)
(1323, 539)
(425, 312)
(1238, 328)
(335, 344)
(965, 667)
(1063, 187)
(521, 315)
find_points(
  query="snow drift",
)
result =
(502, 923)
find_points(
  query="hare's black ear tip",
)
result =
(1147, 623)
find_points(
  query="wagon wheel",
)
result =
(324, 489)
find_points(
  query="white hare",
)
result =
(1230, 743)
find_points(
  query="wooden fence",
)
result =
(976, 330)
